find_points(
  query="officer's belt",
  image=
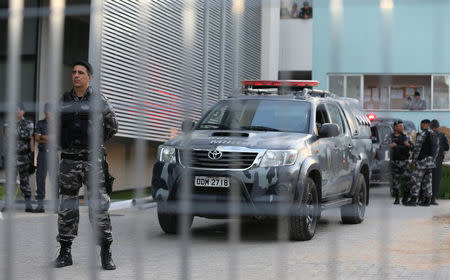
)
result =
(83, 156)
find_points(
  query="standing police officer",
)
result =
(423, 160)
(437, 171)
(25, 154)
(41, 136)
(76, 164)
(400, 148)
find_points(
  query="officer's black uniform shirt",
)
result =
(400, 152)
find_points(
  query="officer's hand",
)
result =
(394, 145)
(406, 144)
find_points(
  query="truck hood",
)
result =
(209, 139)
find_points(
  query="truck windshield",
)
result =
(260, 115)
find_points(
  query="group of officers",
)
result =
(424, 158)
(78, 108)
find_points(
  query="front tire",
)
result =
(168, 221)
(354, 212)
(303, 222)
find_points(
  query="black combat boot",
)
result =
(106, 256)
(433, 201)
(65, 255)
(40, 207)
(425, 202)
(405, 199)
(28, 207)
(397, 197)
(412, 201)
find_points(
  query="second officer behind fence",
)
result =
(76, 164)
(400, 148)
(423, 160)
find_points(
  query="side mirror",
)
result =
(187, 126)
(329, 130)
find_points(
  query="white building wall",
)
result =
(296, 45)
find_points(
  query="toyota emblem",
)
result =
(215, 154)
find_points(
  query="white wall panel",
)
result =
(153, 105)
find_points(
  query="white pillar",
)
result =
(270, 39)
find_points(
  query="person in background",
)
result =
(407, 103)
(423, 160)
(294, 11)
(306, 11)
(400, 147)
(41, 136)
(437, 171)
(25, 154)
(417, 103)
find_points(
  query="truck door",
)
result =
(341, 163)
(324, 149)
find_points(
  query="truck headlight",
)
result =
(167, 154)
(278, 158)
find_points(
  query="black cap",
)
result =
(426, 121)
(434, 124)
(416, 93)
(21, 106)
(85, 64)
(397, 122)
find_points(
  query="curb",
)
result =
(125, 204)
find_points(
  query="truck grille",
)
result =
(229, 160)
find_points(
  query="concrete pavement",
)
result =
(394, 242)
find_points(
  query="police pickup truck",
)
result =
(277, 148)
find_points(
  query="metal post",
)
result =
(15, 25)
(205, 77)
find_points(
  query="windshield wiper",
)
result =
(218, 125)
(259, 128)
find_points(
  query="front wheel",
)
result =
(303, 221)
(354, 213)
(169, 220)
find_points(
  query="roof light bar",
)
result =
(280, 83)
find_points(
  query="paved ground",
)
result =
(394, 242)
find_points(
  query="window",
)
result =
(440, 92)
(345, 85)
(394, 92)
(336, 85)
(264, 115)
(336, 117)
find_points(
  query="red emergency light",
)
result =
(371, 117)
(280, 83)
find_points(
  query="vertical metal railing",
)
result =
(56, 30)
(15, 26)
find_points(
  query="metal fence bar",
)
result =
(184, 205)
(336, 11)
(141, 148)
(234, 225)
(95, 139)
(384, 227)
(56, 29)
(15, 26)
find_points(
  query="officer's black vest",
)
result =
(429, 146)
(75, 122)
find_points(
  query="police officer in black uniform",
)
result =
(77, 164)
(423, 160)
(437, 171)
(400, 147)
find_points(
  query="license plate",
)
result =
(211, 181)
